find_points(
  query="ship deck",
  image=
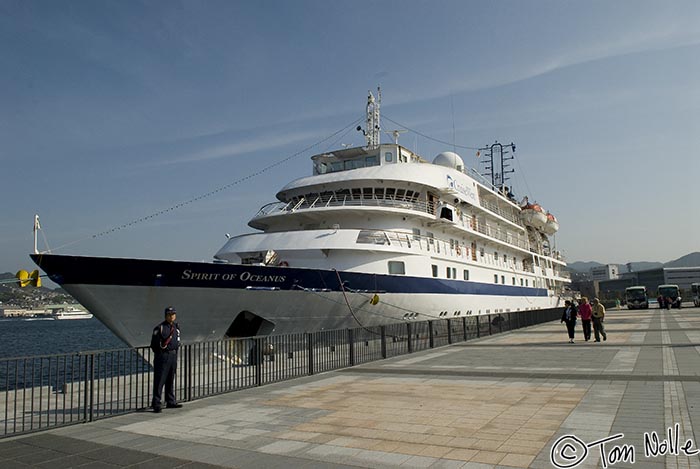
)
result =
(503, 400)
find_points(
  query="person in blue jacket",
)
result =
(164, 342)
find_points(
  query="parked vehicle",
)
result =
(695, 288)
(669, 296)
(636, 297)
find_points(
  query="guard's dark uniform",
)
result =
(165, 363)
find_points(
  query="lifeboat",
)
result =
(552, 225)
(533, 215)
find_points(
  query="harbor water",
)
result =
(30, 337)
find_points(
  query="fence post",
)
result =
(351, 347)
(464, 327)
(409, 332)
(478, 327)
(449, 332)
(310, 351)
(85, 389)
(258, 361)
(489, 319)
(92, 386)
(382, 330)
(188, 372)
(430, 334)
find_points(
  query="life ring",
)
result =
(459, 250)
(283, 264)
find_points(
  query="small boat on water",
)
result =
(70, 313)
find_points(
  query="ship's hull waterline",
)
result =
(129, 295)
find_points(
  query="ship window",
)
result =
(357, 193)
(503, 279)
(371, 160)
(337, 166)
(495, 278)
(521, 282)
(505, 258)
(454, 273)
(495, 256)
(321, 168)
(400, 193)
(466, 274)
(390, 191)
(378, 192)
(388, 157)
(527, 283)
(367, 192)
(513, 280)
(372, 237)
(482, 252)
(435, 270)
(397, 268)
(416, 234)
(449, 272)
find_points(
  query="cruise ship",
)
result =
(375, 235)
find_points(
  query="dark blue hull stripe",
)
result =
(70, 270)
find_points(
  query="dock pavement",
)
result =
(526, 399)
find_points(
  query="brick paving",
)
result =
(500, 401)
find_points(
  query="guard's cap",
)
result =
(169, 310)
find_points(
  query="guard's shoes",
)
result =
(174, 406)
(157, 410)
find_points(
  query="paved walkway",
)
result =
(501, 401)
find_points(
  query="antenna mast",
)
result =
(373, 128)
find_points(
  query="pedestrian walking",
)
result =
(164, 342)
(584, 311)
(569, 317)
(598, 313)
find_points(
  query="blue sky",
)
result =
(112, 111)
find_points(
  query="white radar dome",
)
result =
(449, 159)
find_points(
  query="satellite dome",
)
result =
(450, 160)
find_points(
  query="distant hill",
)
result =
(689, 260)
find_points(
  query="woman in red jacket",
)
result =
(585, 311)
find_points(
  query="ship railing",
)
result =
(446, 247)
(504, 213)
(346, 201)
(49, 391)
(463, 219)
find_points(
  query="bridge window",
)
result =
(388, 157)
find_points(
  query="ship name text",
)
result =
(243, 277)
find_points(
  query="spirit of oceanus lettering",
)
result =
(243, 277)
(570, 451)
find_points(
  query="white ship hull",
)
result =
(301, 300)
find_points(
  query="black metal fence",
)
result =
(42, 392)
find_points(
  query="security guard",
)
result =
(164, 342)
